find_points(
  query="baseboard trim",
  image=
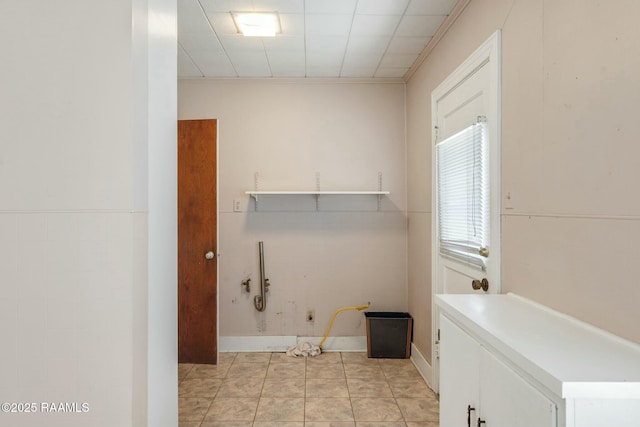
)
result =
(282, 343)
(422, 365)
(344, 344)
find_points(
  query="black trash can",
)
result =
(389, 334)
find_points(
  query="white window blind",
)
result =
(463, 194)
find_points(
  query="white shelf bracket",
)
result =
(256, 178)
(379, 189)
(318, 190)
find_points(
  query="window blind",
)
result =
(463, 194)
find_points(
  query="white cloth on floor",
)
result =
(304, 349)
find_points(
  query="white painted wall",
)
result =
(569, 155)
(346, 253)
(162, 242)
(74, 122)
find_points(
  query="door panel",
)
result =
(460, 375)
(456, 280)
(506, 400)
(197, 236)
(460, 107)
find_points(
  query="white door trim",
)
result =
(488, 54)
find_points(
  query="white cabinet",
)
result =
(459, 375)
(475, 385)
(519, 364)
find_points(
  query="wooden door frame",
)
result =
(489, 54)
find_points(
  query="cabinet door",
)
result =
(459, 368)
(507, 400)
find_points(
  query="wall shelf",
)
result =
(315, 193)
(255, 194)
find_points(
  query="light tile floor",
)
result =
(330, 390)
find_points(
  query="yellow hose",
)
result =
(355, 307)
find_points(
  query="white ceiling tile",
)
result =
(286, 65)
(328, 41)
(247, 58)
(367, 45)
(212, 6)
(364, 61)
(419, 25)
(200, 41)
(374, 25)
(430, 7)
(357, 71)
(188, 7)
(391, 72)
(282, 6)
(250, 65)
(291, 45)
(398, 60)
(330, 6)
(219, 71)
(292, 24)
(328, 25)
(214, 64)
(408, 44)
(288, 70)
(197, 26)
(186, 67)
(207, 56)
(239, 43)
(193, 22)
(252, 69)
(317, 61)
(326, 44)
(222, 23)
(381, 7)
(323, 70)
(284, 57)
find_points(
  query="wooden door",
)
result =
(197, 242)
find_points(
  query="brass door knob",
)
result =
(480, 284)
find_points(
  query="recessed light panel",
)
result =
(257, 24)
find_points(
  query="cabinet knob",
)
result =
(480, 422)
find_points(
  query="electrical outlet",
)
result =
(237, 205)
(311, 315)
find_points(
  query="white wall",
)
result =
(73, 212)
(162, 242)
(346, 253)
(569, 155)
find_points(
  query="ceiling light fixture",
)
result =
(257, 24)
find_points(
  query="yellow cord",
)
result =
(355, 307)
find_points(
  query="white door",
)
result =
(469, 97)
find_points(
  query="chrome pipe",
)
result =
(260, 301)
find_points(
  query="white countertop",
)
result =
(569, 357)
